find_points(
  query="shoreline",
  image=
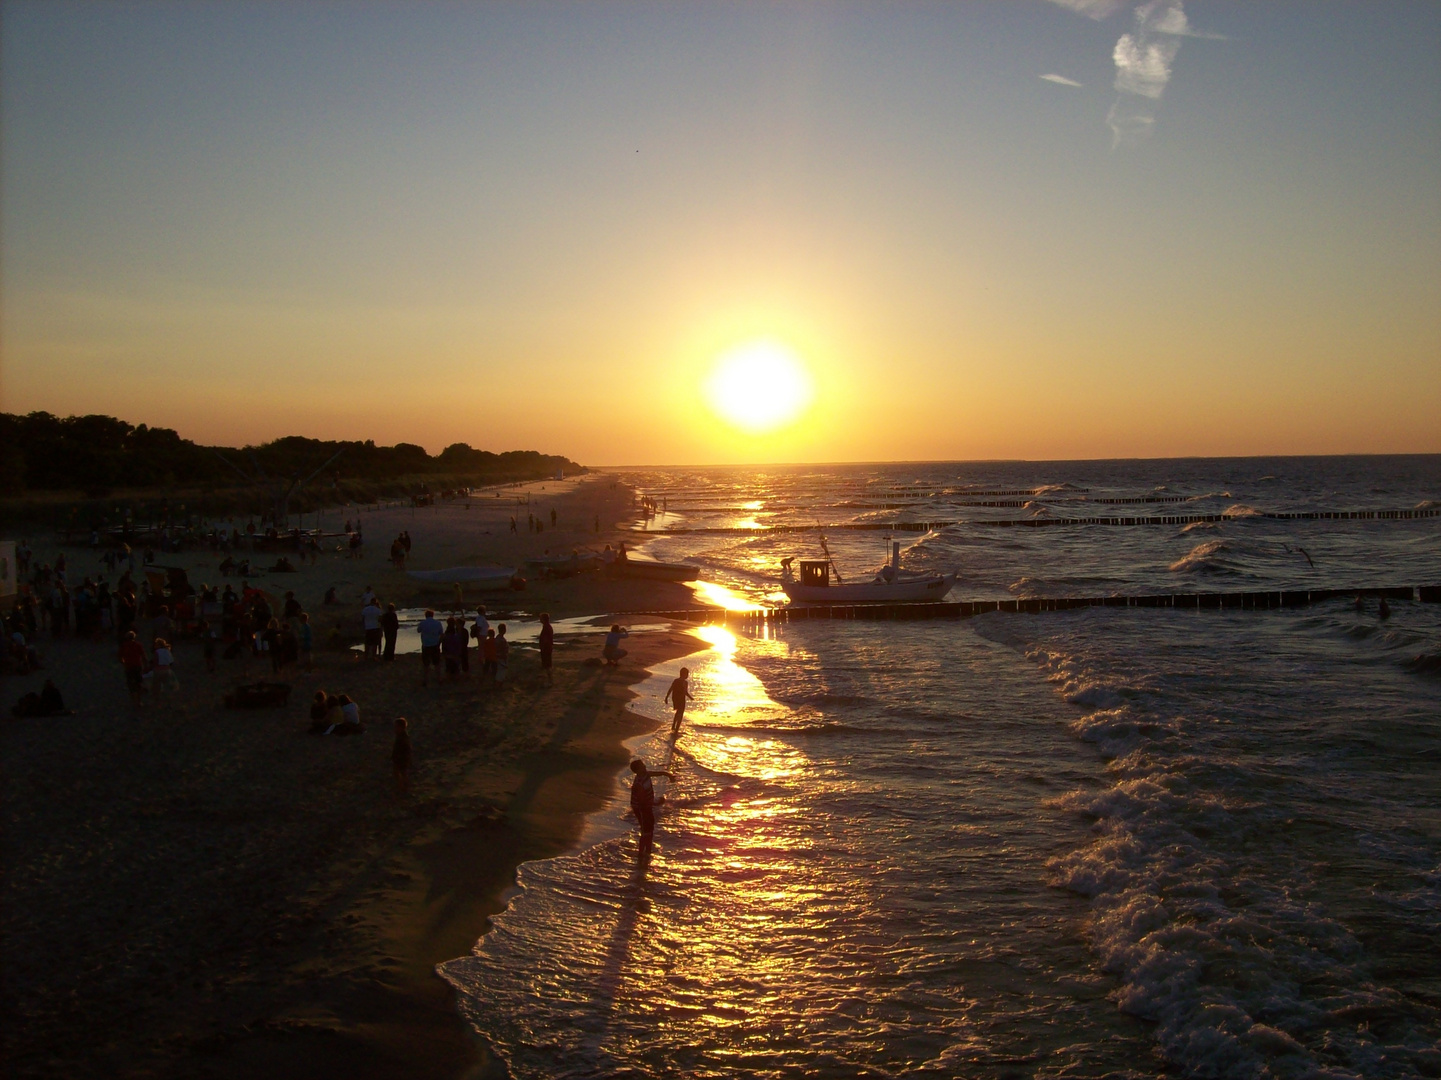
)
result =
(457, 881)
(214, 893)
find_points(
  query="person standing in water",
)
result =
(678, 694)
(643, 800)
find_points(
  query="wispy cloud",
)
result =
(1143, 68)
(1095, 9)
(1144, 59)
(1060, 80)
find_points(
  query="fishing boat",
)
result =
(481, 577)
(891, 585)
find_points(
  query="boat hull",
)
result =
(481, 576)
(915, 591)
(564, 567)
(657, 571)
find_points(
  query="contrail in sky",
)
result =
(1060, 80)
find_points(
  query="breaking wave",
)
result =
(1203, 557)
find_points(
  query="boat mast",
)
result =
(831, 559)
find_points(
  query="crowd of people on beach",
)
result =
(147, 612)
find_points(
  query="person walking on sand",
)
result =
(431, 630)
(678, 694)
(132, 659)
(502, 656)
(612, 650)
(547, 646)
(164, 678)
(400, 757)
(306, 640)
(643, 799)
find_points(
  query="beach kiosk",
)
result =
(8, 574)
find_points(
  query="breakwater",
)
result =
(1038, 522)
(964, 609)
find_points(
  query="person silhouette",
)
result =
(678, 694)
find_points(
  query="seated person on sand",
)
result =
(23, 653)
(324, 712)
(349, 717)
(228, 565)
(46, 703)
(283, 566)
(612, 650)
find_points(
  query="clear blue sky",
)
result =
(539, 224)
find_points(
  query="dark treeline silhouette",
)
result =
(99, 454)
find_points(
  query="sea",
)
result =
(1107, 842)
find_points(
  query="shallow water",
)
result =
(1120, 842)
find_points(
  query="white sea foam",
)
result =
(1242, 975)
(1201, 557)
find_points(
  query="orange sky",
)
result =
(539, 229)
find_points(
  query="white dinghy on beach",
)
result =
(480, 577)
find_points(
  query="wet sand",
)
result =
(216, 893)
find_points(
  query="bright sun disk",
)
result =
(759, 386)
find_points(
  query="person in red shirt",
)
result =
(132, 659)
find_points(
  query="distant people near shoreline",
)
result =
(431, 630)
(370, 616)
(390, 629)
(502, 656)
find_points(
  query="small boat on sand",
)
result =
(890, 586)
(655, 571)
(483, 577)
(557, 566)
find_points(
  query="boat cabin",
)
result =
(815, 572)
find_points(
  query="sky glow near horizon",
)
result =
(1031, 229)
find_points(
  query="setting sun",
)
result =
(759, 386)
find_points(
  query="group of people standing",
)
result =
(400, 549)
(450, 643)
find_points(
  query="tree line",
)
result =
(96, 455)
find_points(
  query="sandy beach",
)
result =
(206, 892)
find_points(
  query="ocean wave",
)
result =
(1242, 975)
(1241, 510)
(1200, 526)
(1427, 504)
(1424, 664)
(1202, 557)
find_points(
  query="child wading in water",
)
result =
(678, 694)
(400, 757)
(643, 800)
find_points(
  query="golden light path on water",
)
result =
(811, 902)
